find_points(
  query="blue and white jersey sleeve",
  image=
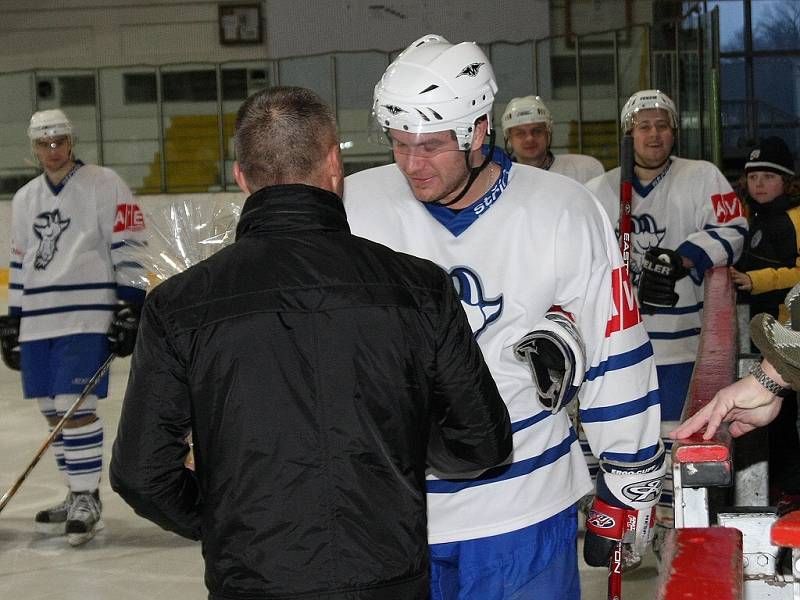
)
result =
(619, 400)
(126, 228)
(19, 242)
(720, 225)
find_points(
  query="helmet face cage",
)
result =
(525, 110)
(645, 100)
(434, 86)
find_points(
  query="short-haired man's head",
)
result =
(283, 135)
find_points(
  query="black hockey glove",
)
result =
(661, 268)
(123, 329)
(9, 341)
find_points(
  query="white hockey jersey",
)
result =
(68, 267)
(579, 167)
(690, 208)
(534, 240)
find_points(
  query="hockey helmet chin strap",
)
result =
(473, 171)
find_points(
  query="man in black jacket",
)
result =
(319, 374)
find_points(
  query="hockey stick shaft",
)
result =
(88, 389)
(626, 199)
(625, 241)
(615, 573)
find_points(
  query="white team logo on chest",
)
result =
(646, 235)
(48, 227)
(481, 311)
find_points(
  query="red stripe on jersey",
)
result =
(129, 217)
(626, 311)
(726, 207)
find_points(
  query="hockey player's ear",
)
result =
(238, 175)
(481, 132)
(333, 170)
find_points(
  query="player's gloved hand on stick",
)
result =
(624, 508)
(661, 268)
(123, 329)
(9, 341)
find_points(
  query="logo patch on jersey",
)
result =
(129, 217)
(626, 311)
(727, 207)
(48, 227)
(481, 311)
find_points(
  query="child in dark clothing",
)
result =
(769, 267)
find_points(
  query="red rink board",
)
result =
(702, 563)
(715, 367)
(786, 531)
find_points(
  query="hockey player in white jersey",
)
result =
(71, 300)
(540, 276)
(686, 219)
(528, 131)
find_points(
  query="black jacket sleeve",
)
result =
(147, 460)
(471, 428)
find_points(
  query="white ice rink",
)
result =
(131, 559)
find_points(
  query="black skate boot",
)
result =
(52, 521)
(83, 520)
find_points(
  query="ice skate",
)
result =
(83, 521)
(52, 521)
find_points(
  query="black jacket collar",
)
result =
(779, 205)
(292, 207)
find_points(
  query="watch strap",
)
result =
(768, 383)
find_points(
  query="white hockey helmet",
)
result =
(49, 123)
(434, 86)
(643, 100)
(524, 110)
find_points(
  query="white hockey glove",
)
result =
(624, 508)
(556, 357)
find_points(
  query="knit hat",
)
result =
(772, 154)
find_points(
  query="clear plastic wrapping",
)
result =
(179, 234)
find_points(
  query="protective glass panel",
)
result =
(312, 72)
(17, 165)
(514, 70)
(190, 128)
(596, 132)
(776, 25)
(239, 80)
(734, 108)
(356, 76)
(74, 92)
(129, 126)
(731, 23)
(776, 109)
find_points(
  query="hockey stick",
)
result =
(625, 241)
(88, 389)
(625, 199)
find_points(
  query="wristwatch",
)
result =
(770, 384)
